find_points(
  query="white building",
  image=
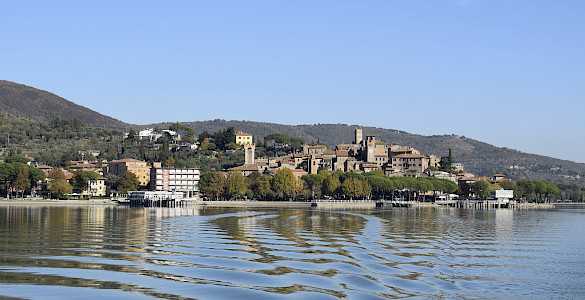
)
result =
(503, 196)
(175, 180)
(151, 135)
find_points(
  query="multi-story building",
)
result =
(97, 188)
(243, 138)
(134, 166)
(407, 162)
(314, 150)
(375, 151)
(175, 180)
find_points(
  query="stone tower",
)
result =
(358, 136)
(249, 154)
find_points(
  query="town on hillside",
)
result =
(365, 169)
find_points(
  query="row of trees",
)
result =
(283, 185)
(18, 179)
(59, 186)
(530, 190)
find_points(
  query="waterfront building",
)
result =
(175, 180)
(97, 188)
(134, 166)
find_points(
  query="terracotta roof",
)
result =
(369, 165)
(244, 168)
(403, 149)
(44, 167)
(242, 134)
(127, 160)
(409, 156)
(342, 153)
(68, 175)
(81, 166)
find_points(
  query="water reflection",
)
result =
(226, 252)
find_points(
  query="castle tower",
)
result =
(358, 136)
(249, 154)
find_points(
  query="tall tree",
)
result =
(261, 187)
(331, 185)
(81, 180)
(235, 184)
(128, 182)
(21, 182)
(58, 185)
(284, 183)
(35, 176)
(214, 185)
(481, 188)
(315, 183)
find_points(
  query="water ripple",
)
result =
(237, 253)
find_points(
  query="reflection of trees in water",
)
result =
(95, 231)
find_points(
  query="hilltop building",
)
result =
(243, 138)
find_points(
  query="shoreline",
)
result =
(252, 204)
(51, 202)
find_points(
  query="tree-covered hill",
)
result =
(478, 157)
(25, 101)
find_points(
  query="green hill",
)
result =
(478, 157)
(25, 101)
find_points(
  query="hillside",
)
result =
(478, 157)
(25, 101)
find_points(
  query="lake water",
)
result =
(234, 253)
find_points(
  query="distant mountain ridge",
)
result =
(478, 157)
(25, 101)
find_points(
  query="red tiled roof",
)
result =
(127, 160)
(409, 156)
(81, 166)
(245, 168)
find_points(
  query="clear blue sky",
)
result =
(510, 73)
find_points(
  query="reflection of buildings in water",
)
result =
(504, 222)
(172, 212)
